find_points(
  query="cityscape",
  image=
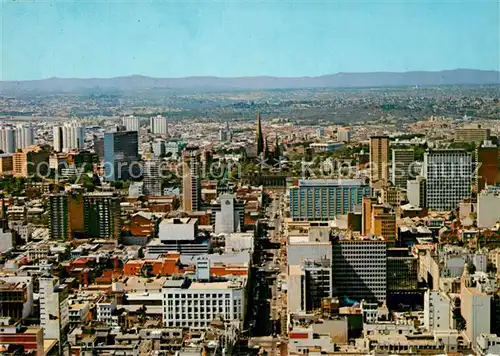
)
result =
(355, 213)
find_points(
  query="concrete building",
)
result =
(33, 160)
(197, 304)
(16, 297)
(131, 123)
(191, 189)
(66, 216)
(488, 213)
(178, 229)
(158, 125)
(449, 176)
(101, 215)
(54, 308)
(417, 192)
(229, 214)
(402, 166)
(360, 269)
(7, 140)
(344, 134)
(121, 155)
(488, 344)
(378, 219)
(438, 311)
(329, 146)
(472, 133)
(68, 137)
(379, 159)
(24, 136)
(26, 340)
(323, 199)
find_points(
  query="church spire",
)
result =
(259, 136)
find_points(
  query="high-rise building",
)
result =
(323, 199)
(69, 136)
(24, 136)
(31, 160)
(449, 176)
(101, 215)
(488, 213)
(402, 163)
(487, 166)
(417, 192)
(402, 270)
(131, 123)
(343, 134)
(152, 178)
(54, 308)
(158, 125)
(191, 189)
(6, 163)
(360, 269)
(229, 214)
(379, 159)
(472, 133)
(121, 155)
(259, 136)
(378, 219)
(8, 140)
(65, 216)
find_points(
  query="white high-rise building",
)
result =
(70, 136)
(449, 176)
(343, 134)
(54, 309)
(7, 140)
(24, 136)
(159, 125)
(131, 123)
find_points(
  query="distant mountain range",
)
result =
(339, 80)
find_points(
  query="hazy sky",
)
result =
(81, 38)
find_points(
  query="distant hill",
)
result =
(339, 80)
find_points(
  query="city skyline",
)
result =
(104, 40)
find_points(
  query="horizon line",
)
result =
(251, 76)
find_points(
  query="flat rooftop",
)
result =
(330, 182)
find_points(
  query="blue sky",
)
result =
(244, 38)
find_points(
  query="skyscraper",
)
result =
(131, 123)
(152, 179)
(24, 136)
(379, 159)
(101, 215)
(449, 176)
(158, 125)
(121, 155)
(402, 160)
(486, 165)
(65, 216)
(70, 136)
(7, 140)
(191, 190)
(259, 136)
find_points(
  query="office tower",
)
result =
(449, 176)
(24, 136)
(417, 192)
(259, 136)
(66, 216)
(229, 214)
(316, 283)
(472, 133)
(344, 134)
(16, 297)
(99, 147)
(54, 308)
(379, 159)
(191, 190)
(8, 140)
(158, 148)
(378, 219)
(402, 165)
(6, 163)
(223, 135)
(131, 123)
(323, 199)
(391, 195)
(68, 137)
(31, 160)
(320, 132)
(121, 155)
(486, 165)
(360, 269)
(101, 215)
(158, 125)
(402, 270)
(152, 178)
